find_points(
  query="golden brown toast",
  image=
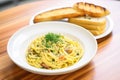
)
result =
(91, 9)
(95, 25)
(57, 14)
(84, 20)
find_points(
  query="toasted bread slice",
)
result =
(86, 20)
(57, 14)
(92, 27)
(91, 9)
(95, 25)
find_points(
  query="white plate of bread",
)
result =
(92, 17)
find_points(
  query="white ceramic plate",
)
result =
(19, 42)
(108, 29)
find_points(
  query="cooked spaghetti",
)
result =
(53, 51)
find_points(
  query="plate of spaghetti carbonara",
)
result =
(54, 51)
(52, 47)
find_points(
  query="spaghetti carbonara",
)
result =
(53, 51)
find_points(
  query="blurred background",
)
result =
(6, 4)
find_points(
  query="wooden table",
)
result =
(104, 66)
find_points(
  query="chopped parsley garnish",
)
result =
(52, 37)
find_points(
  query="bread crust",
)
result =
(57, 14)
(91, 9)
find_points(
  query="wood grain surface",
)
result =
(104, 66)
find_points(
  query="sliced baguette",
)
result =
(92, 27)
(88, 21)
(91, 9)
(57, 14)
(95, 25)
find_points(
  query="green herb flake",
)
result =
(52, 37)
